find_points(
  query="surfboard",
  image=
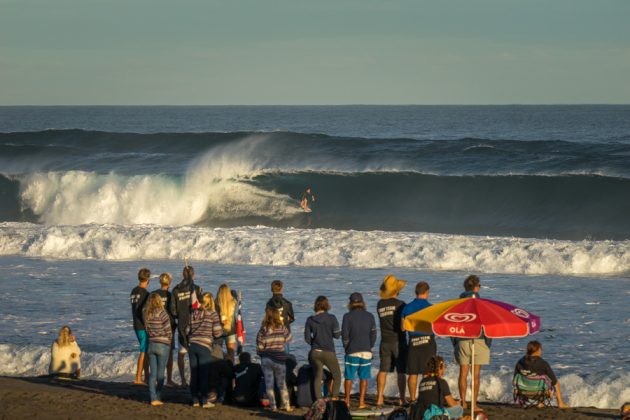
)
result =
(371, 412)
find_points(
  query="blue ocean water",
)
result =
(535, 199)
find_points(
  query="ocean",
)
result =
(533, 199)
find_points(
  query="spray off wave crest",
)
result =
(210, 186)
(318, 247)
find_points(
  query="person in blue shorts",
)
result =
(138, 298)
(358, 334)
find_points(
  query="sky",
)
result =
(297, 52)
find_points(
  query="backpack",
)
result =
(398, 414)
(317, 410)
(305, 392)
(337, 410)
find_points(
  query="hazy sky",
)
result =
(314, 52)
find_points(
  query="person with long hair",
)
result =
(227, 308)
(533, 364)
(319, 332)
(65, 360)
(270, 345)
(205, 327)
(158, 327)
(165, 283)
(433, 390)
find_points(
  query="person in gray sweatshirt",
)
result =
(319, 332)
(358, 333)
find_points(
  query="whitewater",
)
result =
(533, 199)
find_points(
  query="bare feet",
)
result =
(156, 403)
(563, 405)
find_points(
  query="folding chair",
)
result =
(532, 391)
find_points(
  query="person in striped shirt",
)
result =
(205, 326)
(158, 327)
(270, 345)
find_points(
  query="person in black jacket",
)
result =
(319, 332)
(533, 364)
(358, 332)
(278, 302)
(181, 309)
(248, 378)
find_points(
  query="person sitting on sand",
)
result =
(248, 378)
(205, 326)
(270, 345)
(65, 360)
(158, 327)
(358, 334)
(533, 364)
(434, 390)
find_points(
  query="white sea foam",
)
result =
(317, 247)
(607, 392)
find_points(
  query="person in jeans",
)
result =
(205, 326)
(358, 332)
(270, 345)
(319, 332)
(165, 283)
(227, 308)
(158, 327)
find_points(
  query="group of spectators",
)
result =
(205, 324)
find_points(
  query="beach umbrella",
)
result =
(469, 318)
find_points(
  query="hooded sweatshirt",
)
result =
(320, 330)
(180, 304)
(358, 331)
(284, 306)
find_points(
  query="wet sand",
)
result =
(43, 398)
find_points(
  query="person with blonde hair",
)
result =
(65, 360)
(227, 308)
(205, 327)
(158, 327)
(165, 283)
(270, 346)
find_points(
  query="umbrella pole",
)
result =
(472, 382)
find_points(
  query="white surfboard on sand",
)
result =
(371, 412)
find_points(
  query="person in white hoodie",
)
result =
(65, 360)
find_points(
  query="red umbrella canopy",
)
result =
(469, 317)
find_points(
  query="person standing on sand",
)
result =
(205, 326)
(421, 346)
(270, 345)
(227, 308)
(463, 348)
(138, 297)
(533, 364)
(358, 333)
(319, 332)
(65, 358)
(393, 347)
(160, 332)
(165, 283)
(181, 309)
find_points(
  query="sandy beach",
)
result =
(43, 398)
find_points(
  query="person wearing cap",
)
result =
(463, 348)
(358, 334)
(393, 347)
(422, 347)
